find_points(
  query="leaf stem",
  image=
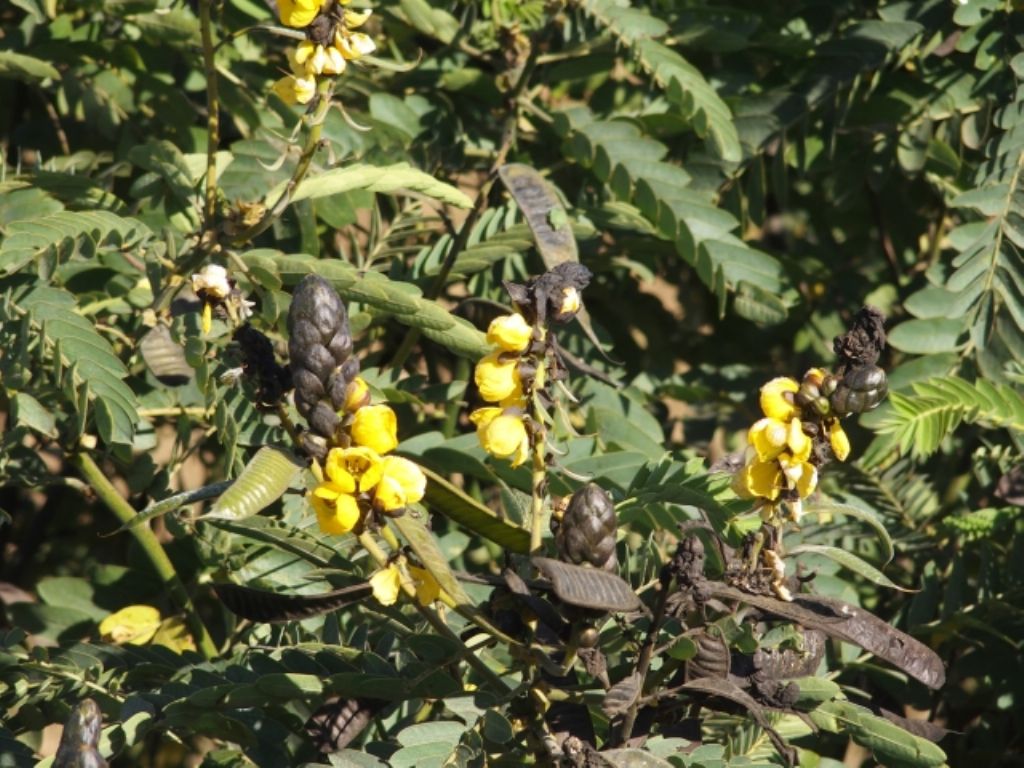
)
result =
(316, 124)
(212, 111)
(538, 485)
(146, 539)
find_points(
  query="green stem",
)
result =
(537, 487)
(644, 663)
(316, 123)
(212, 111)
(146, 539)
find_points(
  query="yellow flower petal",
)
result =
(346, 466)
(840, 442)
(768, 438)
(758, 479)
(497, 379)
(173, 633)
(427, 588)
(505, 436)
(335, 63)
(798, 442)
(207, 319)
(357, 394)
(133, 624)
(774, 403)
(397, 483)
(338, 517)
(353, 45)
(510, 332)
(355, 19)
(295, 90)
(375, 427)
(386, 583)
(298, 13)
(570, 301)
(808, 481)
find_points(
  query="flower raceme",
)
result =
(783, 463)
(500, 428)
(331, 44)
(358, 477)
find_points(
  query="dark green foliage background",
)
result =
(741, 179)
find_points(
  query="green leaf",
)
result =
(27, 69)
(264, 480)
(390, 178)
(888, 742)
(65, 233)
(455, 504)
(92, 372)
(402, 300)
(830, 507)
(29, 412)
(927, 337)
(851, 562)
(815, 691)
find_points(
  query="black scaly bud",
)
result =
(587, 530)
(320, 351)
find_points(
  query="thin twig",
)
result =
(644, 663)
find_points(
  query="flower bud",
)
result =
(510, 332)
(376, 427)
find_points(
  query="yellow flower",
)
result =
(355, 19)
(773, 400)
(427, 588)
(498, 379)
(375, 427)
(337, 512)
(570, 301)
(768, 438)
(174, 634)
(386, 583)
(799, 443)
(316, 59)
(502, 435)
(133, 624)
(347, 466)
(295, 90)
(298, 13)
(353, 45)
(840, 442)
(800, 474)
(396, 483)
(510, 332)
(206, 321)
(357, 394)
(758, 479)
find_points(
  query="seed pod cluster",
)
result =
(320, 351)
(587, 530)
(860, 390)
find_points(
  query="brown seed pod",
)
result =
(320, 350)
(588, 528)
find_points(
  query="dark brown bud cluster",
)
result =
(553, 296)
(586, 533)
(322, 364)
(270, 379)
(858, 384)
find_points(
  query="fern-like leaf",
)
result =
(632, 166)
(66, 232)
(684, 85)
(86, 367)
(939, 405)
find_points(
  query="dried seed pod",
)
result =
(587, 531)
(860, 390)
(320, 349)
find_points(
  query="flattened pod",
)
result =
(859, 391)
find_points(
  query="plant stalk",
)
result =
(212, 112)
(146, 539)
